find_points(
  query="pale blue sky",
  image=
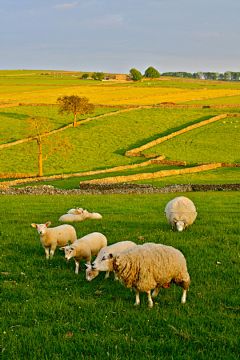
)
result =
(114, 36)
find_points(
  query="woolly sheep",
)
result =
(53, 237)
(71, 217)
(95, 216)
(180, 212)
(84, 248)
(76, 211)
(149, 266)
(91, 273)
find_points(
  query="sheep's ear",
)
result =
(72, 248)
(174, 221)
(48, 223)
(110, 256)
(185, 223)
(88, 266)
(62, 248)
(34, 225)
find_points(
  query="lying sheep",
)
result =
(95, 216)
(180, 212)
(53, 237)
(76, 211)
(71, 217)
(84, 248)
(146, 267)
(91, 273)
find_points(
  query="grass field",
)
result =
(49, 312)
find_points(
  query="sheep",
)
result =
(180, 212)
(146, 267)
(95, 216)
(91, 273)
(76, 211)
(84, 248)
(53, 237)
(71, 217)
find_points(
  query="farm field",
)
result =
(50, 312)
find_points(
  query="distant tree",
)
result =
(39, 129)
(94, 76)
(100, 75)
(196, 76)
(136, 74)
(85, 76)
(76, 105)
(150, 72)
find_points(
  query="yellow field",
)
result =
(115, 95)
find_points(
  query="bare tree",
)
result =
(76, 105)
(40, 129)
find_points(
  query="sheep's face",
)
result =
(69, 251)
(180, 225)
(80, 211)
(105, 264)
(41, 228)
(90, 273)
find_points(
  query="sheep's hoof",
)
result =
(136, 303)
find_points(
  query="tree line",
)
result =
(151, 72)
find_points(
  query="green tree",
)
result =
(100, 75)
(85, 76)
(136, 74)
(94, 76)
(151, 73)
(39, 129)
(76, 105)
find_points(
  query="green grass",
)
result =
(226, 100)
(48, 312)
(97, 144)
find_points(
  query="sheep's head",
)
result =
(79, 210)
(105, 264)
(180, 225)
(90, 273)
(41, 228)
(70, 251)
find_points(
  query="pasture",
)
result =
(48, 311)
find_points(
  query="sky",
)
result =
(114, 36)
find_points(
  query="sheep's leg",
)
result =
(77, 266)
(47, 252)
(150, 302)
(156, 291)
(137, 302)
(107, 274)
(184, 296)
(53, 248)
(116, 277)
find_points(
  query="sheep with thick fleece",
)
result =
(180, 212)
(76, 211)
(71, 217)
(84, 248)
(149, 266)
(91, 273)
(94, 216)
(53, 237)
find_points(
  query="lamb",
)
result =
(146, 267)
(180, 212)
(95, 216)
(76, 211)
(91, 273)
(71, 217)
(84, 248)
(53, 237)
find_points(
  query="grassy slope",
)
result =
(49, 312)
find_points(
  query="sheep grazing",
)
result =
(53, 237)
(180, 212)
(91, 273)
(84, 248)
(76, 211)
(71, 217)
(146, 267)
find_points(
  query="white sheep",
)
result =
(76, 211)
(53, 237)
(146, 267)
(95, 216)
(180, 212)
(84, 248)
(71, 217)
(91, 273)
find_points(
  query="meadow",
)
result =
(50, 312)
